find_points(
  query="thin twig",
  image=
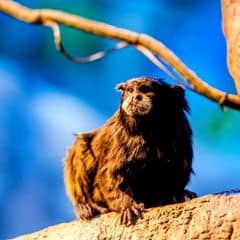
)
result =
(161, 66)
(91, 58)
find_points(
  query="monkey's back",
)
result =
(80, 167)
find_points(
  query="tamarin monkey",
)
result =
(141, 157)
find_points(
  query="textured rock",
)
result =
(208, 217)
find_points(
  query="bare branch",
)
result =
(41, 16)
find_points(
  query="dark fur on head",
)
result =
(142, 155)
(162, 91)
(167, 101)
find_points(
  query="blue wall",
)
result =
(44, 99)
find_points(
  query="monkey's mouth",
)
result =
(137, 108)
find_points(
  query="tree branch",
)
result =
(208, 217)
(137, 39)
(231, 29)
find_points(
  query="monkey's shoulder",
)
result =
(81, 155)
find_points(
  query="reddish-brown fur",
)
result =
(133, 161)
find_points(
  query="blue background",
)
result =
(44, 99)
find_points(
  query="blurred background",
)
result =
(45, 99)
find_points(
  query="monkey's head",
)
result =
(143, 96)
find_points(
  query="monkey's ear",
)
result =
(179, 96)
(120, 87)
(178, 90)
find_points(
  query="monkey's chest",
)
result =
(148, 168)
(150, 181)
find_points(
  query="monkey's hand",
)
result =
(130, 214)
(118, 200)
(84, 211)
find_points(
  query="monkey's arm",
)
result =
(117, 200)
(79, 164)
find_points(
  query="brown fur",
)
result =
(133, 160)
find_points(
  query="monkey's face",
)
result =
(137, 97)
(145, 95)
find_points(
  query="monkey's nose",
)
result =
(138, 97)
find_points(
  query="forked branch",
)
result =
(45, 16)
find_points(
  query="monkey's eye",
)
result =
(130, 90)
(145, 89)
